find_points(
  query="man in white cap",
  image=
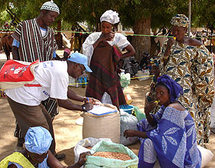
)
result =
(33, 40)
(36, 152)
(51, 80)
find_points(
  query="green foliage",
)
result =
(4, 17)
(130, 11)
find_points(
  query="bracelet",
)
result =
(86, 99)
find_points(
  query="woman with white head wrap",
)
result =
(36, 153)
(104, 52)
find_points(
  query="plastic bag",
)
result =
(106, 98)
(139, 115)
(104, 146)
(80, 147)
(127, 121)
(125, 79)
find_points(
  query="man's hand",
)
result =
(87, 107)
(91, 100)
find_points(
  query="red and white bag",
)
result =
(15, 74)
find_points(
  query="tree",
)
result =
(140, 15)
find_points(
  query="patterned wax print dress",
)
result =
(191, 67)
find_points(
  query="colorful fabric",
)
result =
(172, 142)
(104, 77)
(110, 17)
(18, 158)
(180, 20)
(191, 67)
(38, 140)
(32, 45)
(175, 90)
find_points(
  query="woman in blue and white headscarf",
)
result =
(36, 153)
(168, 136)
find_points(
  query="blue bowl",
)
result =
(127, 108)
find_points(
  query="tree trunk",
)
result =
(142, 43)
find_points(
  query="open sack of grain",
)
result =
(86, 145)
(111, 155)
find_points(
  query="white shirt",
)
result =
(54, 79)
(119, 39)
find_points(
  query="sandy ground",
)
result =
(67, 132)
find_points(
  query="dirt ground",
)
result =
(67, 132)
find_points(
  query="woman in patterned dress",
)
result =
(190, 64)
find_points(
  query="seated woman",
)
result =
(36, 153)
(168, 136)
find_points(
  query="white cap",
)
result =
(110, 16)
(51, 6)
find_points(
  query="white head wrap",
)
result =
(38, 140)
(51, 6)
(110, 16)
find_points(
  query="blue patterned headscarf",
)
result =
(38, 140)
(175, 90)
(180, 20)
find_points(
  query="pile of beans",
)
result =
(113, 155)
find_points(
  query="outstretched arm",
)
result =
(53, 162)
(134, 133)
(88, 102)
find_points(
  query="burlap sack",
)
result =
(104, 126)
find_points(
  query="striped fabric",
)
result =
(32, 45)
(104, 77)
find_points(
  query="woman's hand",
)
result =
(107, 36)
(82, 160)
(129, 133)
(149, 106)
(170, 43)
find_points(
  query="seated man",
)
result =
(36, 152)
(51, 80)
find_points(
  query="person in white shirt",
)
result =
(104, 51)
(53, 79)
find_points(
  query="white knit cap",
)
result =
(51, 6)
(110, 16)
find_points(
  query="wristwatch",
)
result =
(83, 108)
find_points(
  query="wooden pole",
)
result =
(189, 27)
